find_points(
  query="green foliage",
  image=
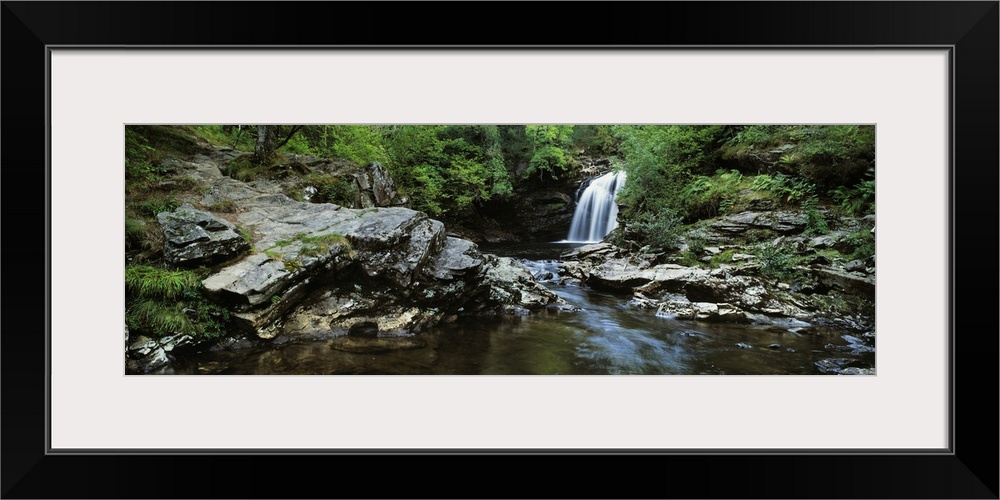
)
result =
(337, 189)
(815, 222)
(315, 246)
(297, 144)
(164, 302)
(826, 156)
(723, 257)
(158, 203)
(445, 169)
(361, 144)
(245, 234)
(660, 162)
(863, 242)
(785, 188)
(493, 161)
(135, 232)
(595, 139)
(696, 243)
(292, 265)
(858, 200)
(243, 168)
(155, 282)
(775, 261)
(660, 230)
(550, 156)
(689, 259)
(138, 154)
(711, 196)
(275, 298)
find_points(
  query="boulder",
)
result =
(780, 221)
(848, 282)
(379, 187)
(192, 237)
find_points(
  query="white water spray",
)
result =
(596, 212)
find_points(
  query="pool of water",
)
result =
(606, 336)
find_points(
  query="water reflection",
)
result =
(604, 337)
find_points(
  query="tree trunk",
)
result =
(265, 144)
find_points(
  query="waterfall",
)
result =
(596, 212)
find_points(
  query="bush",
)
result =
(781, 186)
(661, 230)
(775, 261)
(815, 223)
(863, 242)
(707, 197)
(858, 200)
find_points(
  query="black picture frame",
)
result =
(969, 28)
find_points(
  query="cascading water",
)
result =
(596, 213)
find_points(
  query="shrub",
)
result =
(857, 200)
(696, 243)
(660, 230)
(775, 261)
(710, 196)
(863, 242)
(815, 222)
(788, 189)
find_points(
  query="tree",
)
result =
(267, 142)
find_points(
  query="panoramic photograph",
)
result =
(510, 249)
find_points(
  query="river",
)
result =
(606, 336)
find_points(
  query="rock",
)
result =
(832, 365)
(142, 346)
(619, 274)
(853, 370)
(833, 239)
(546, 212)
(737, 257)
(701, 311)
(592, 252)
(845, 281)
(511, 284)
(774, 346)
(779, 221)
(458, 258)
(382, 186)
(192, 237)
(178, 342)
(743, 345)
(154, 361)
(855, 266)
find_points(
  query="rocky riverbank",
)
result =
(784, 276)
(289, 270)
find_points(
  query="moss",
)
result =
(689, 259)
(724, 257)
